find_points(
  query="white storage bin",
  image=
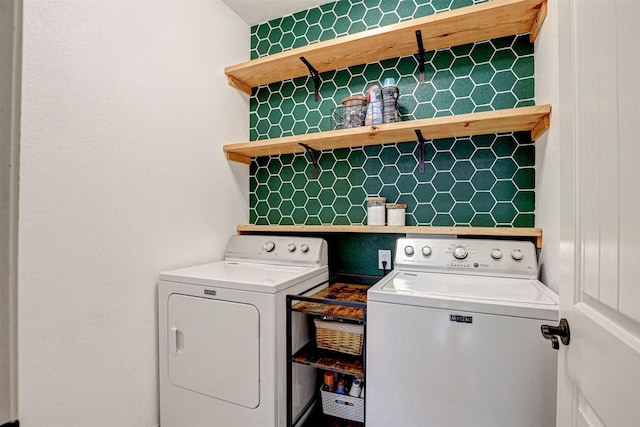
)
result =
(343, 406)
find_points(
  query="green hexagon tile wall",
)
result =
(486, 180)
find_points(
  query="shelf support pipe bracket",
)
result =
(421, 142)
(315, 157)
(314, 75)
(421, 55)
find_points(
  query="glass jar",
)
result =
(396, 213)
(355, 110)
(376, 210)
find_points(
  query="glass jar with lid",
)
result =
(376, 210)
(396, 213)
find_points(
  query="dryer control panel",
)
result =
(498, 258)
(280, 250)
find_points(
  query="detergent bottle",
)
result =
(374, 106)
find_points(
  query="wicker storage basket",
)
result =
(343, 406)
(342, 337)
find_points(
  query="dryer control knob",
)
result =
(426, 251)
(408, 250)
(269, 246)
(496, 254)
(517, 254)
(291, 247)
(460, 252)
(304, 248)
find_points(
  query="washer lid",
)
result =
(485, 288)
(244, 276)
(518, 297)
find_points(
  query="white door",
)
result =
(599, 371)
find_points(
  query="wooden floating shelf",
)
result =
(509, 232)
(484, 21)
(534, 119)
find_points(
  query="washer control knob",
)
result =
(291, 247)
(269, 246)
(304, 248)
(408, 250)
(426, 250)
(517, 254)
(460, 252)
(496, 254)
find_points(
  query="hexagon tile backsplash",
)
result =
(486, 180)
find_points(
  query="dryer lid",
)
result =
(244, 276)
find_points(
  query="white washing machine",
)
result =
(453, 337)
(222, 333)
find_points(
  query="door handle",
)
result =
(176, 340)
(173, 340)
(553, 332)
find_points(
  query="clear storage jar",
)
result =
(376, 210)
(355, 110)
(396, 213)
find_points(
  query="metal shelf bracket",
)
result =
(421, 142)
(315, 158)
(421, 55)
(314, 75)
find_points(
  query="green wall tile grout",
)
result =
(486, 180)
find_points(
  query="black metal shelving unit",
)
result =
(319, 358)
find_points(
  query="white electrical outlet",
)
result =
(384, 255)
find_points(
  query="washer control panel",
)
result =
(283, 250)
(499, 258)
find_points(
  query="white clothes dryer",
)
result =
(453, 337)
(222, 331)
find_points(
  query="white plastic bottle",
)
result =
(355, 388)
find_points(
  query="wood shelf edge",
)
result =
(238, 158)
(540, 128)
(537, 23)
(528, 232)
(240, 85)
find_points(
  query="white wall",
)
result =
(125, 110)
(548, 150)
